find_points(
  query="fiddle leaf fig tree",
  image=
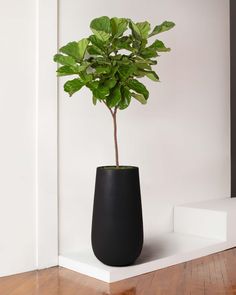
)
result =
(111, 61)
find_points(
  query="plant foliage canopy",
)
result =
(111, 61)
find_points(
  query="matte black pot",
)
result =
(117, 225)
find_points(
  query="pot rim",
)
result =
(121, 168)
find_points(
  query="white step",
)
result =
(212, 219)
(163, 251)
(199, 229)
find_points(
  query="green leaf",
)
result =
(151, 61)
(94, 100)
(73, 86)
(114, 97)
(140, 30)
(84, 65)
(126, 71)
(139, 97)
(135, 30)
(103, 70)
(139, 73)
(101, 27)
(123, 43)
(67, 70)
(149, 53)
(72, 70)
(99, 60)
(143, 66)
(75, 49)
(64, 60)
(92, 85)
(86, 78)
(165, 26)
(70, 49)
(110, 83)
(97, 42)
(138, 87)
(142, 63)
(152, 75)
(137, 44)
(94, 50)
(101, 91)
(159, 46)
(114, 70)
(144, 28)
(118, 26)
(125, 98)
(125, 60)
(82, 46)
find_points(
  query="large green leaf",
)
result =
(73, 86)
(75, 49)
(125, 98)
(143, 66)
(103, 70)
(114, 70)
(144, 28)
(142, 63)
(101, 27)
(149, 53)
(139, 97)
(152, 75)
(159, 46)
(110, 83)
(138, 87)
(67, 70)
(126, 71)
(123, 43)
(72, 70)
(165, 26)
(64, 60)
(97, 42)
(135, 30)
(85, 77)
(118, 26)
(70, 49)
(94, 50)
(139, 73)
(92, 85)
(140, 30)
(100, 60)
(101, 91)
(151, 61)
(82, 46)
(114, 97)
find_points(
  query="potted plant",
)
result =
(110, 63)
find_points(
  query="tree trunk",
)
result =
(115, 138)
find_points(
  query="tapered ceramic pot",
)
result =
(117, 225)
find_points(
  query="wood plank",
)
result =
(210, 275)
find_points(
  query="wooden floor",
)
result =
(214, 274)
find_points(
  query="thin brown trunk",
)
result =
(115, 138)
(113, 113)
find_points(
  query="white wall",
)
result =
(180, 139)
(17, 131)
(28, 128)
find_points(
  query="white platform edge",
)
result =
(208, 227)
(84, 268)
(110, 276)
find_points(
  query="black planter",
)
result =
(117, 225)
